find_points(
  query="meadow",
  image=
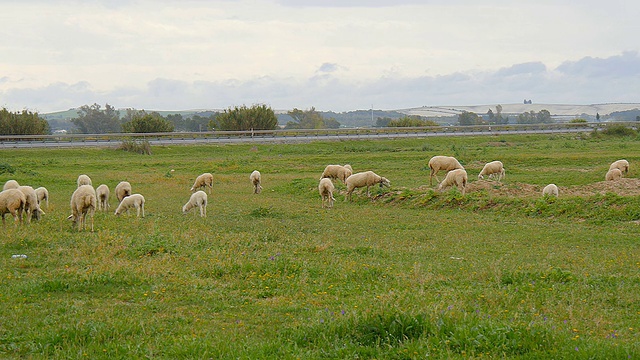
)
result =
(406, 274)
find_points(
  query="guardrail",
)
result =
(113, 139)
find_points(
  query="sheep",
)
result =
(203, 180)
(10, 184)
(102, 195)
(613, 174)
(325, 188)
(362, 179)
(550, 190)
(337, 172)
(622, 165)
(348, 167)
(457, 177)
(83, 204)
(123, 189)
(494, 168)
(31, 208)
(439, 162)
(43, 195)
(12, 201)
(256, 179)
(134, 200)
(197, 199)
(84, 180)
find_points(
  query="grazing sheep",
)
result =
(550, 190)
(84, 180)
(10, 184)
(325, 188)
(362, 179)
(613, 175)
(622, 165)
(256, 179)
(102, 195)
(122, 190)
(31, 208)
(439, 162)
(197, 199)
(348, 167)
(134, 200)
(43, 195)
(12, 201)
(337, 172)
(83, 204)
(457, 177)
(203, 180)
(491, 169)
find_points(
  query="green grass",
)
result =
(407, 274)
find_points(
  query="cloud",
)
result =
(624, 65)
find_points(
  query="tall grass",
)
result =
(407, 274)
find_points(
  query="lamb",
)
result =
(84, 180)
(10, 184)
(337, 172)
(613, 175)
(198, 199)
(325, 188)
(134, 200)
(102, 195)
(12, 201)
(362, 179)
(31, 208)
(622, 165)
(43, 195)
(494, 168)
(550, 190)
(348, 167)
(457, 177)
(83, 204)
(122, 190)
(439, 162)
(203, 180)
(256, 179)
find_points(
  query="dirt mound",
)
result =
(623, 187)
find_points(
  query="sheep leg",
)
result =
(142, 210)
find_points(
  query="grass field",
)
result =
(407, 274)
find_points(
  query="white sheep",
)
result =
(550, 190)
(197, 199)
(83, 204)
(457, 177)
(132, 201)
(337, 172)
(613, 174)
(122, 190)
(439, 162)
(348, 167)
(622, 165)
(362, 179)
(325, 188)
(10, 184)
(256, 180)
(31, 208)
(84, 180)
(491, 169)
(43, 195)
(203, 181)
(102, 195)
(12, 201)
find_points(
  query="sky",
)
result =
(332, 55)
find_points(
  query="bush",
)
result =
(140, 147)
(619, 131)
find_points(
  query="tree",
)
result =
(147, 123)
(93, 120)
(531, 117)
(310, 119)
(383, 121)
(258, 117)
(411, 121)
(24, 123)
(469, 118)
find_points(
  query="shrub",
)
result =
(140, 147)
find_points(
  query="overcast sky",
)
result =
(335, 55)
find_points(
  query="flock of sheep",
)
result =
(18, 200)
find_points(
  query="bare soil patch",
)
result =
(622, 187)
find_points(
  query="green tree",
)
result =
(411, 121)
(310, 119)
(258, 117)
(93, 120)
(469, 118)
(532, 117)
(147, 123)
(22, 123)
(383, 121)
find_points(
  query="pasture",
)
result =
(408, 274)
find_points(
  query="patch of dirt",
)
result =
(622, 187)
